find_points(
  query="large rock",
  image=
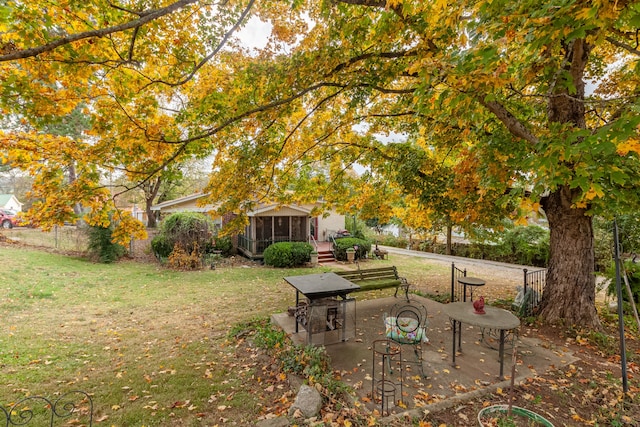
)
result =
(308, 402)
(274, 422)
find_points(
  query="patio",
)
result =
(476, 370)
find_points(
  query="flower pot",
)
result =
(351, 255)
(490, 415)
(314, 258)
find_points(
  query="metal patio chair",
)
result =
(406, 324)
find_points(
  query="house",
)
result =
(10, 202)
(268, 223)
(136, 212)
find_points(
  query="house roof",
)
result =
(5, 198)
(189, 203)
(274, 207)
(186, 201)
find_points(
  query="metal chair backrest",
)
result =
(406, 322)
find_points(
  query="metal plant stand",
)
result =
(383, 388)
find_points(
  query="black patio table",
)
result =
(318, 286)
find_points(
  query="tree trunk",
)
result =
(449, 234)
(151, 189)
(151, 215)
(569, 294)
(77, 207)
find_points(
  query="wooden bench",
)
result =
(377, 278)
(380, 253)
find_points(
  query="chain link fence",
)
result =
(69, 238)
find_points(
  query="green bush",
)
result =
(310, 362)
(193, 232)
(518, 245)
(101, 247)
(287, 254)
(161, 246)
(344, 243)
(633, 276)
(224, 245)
(525, 246)
(391, 240)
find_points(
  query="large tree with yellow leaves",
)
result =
(506, 104)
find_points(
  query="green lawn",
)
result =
(148, 344)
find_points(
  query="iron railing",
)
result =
(257, 247)
(530, 294)
(332, 239)
(457, 288)
(40, 411)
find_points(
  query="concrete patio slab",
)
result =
(477, 366)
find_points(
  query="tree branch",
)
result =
(509, 120)
(364, 56)
(215, 51)
(368, 3)
(145, 17)
(621, 45)
(133, 43)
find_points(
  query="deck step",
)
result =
(325, 257)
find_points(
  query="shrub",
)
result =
(287, 254)
(391, 240)
(519, 245)
(190, 229)
(161, 246)
(341, 246)
(183, 260)
(224, 245)
(633, 276)
(310, 362)
(101, 247)
(525, 245)
(191, 234)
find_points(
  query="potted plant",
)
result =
(510, 415)
(314, 258)
(351, 255)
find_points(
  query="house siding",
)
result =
(9, 201)
(329, 225)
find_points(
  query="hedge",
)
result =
(287, 254)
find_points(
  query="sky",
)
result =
(255, 34)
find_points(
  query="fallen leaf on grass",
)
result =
(179, 404)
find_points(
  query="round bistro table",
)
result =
(472, 282)
(494, 318)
